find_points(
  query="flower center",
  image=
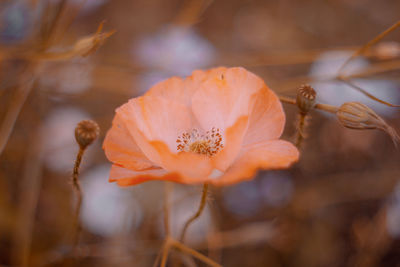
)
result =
(208, 143)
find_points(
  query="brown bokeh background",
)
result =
(338, 206)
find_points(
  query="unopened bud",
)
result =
(86, 132)
(306, 98)
(355, 115)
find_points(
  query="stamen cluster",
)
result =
(208, 143)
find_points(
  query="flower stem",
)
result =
(78, 191)
(197, 214)
(300, 129)
(324, 107)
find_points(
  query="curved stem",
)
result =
(197, 214)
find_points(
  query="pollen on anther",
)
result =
(208, 143)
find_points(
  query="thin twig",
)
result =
(165, 251)
(194, 253)
(11, 116)
(327, 108)
(348, 82)
(30, 192)
(364, 48)
(287, 100)
(324, 107)
(197, 214)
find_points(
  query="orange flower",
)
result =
(217, 126)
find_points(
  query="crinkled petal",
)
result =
(187, 164)
(232, 144)
(194, 166)
(224, 96)
(267, 119)
(158, 119)
(126, 177)
(176, 90)
(272, 154)
(121, 148)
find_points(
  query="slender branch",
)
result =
(11, 116)
(324, 107)
(348, 82)
(167, 190)
(194, 253)
(327, 108)
(197, 214)
(364, 48)
(287, 100)
(165, 251)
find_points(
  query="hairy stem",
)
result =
(197, 214)
(300, 129)
(78, 191)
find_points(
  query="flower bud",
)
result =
(355, 115)
(86, 132)
(305, 99)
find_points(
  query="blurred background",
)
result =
(338, 206)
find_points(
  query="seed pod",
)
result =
(306, 98)
(86, 132)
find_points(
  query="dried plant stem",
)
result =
(327, 108)
(287, 100)
(11, 116)
(78, 192)
(348, 82)
(165, 248)
(167, 191)
(29, 196)
(197, 214)
(165, 251)
(301, 123)
(364, 48)
(194, 253)
(324, 107)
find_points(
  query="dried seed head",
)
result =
(355, 115)
(86, 132)
(306, 98)
(386, 50)
(90, 44)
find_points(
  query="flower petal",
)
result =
(197, 167)
(224, 96)
(126, 177)
(273, 154)
(175, 90)
(267, 118)
(194, 166)
(121, 148)
(158, 119)
(232, 144)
